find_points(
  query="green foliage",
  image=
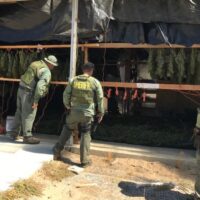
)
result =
(151, 62)
(146, 131)
(171, 64)
(160, 61)
(180, 64)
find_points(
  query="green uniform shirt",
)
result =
(90, 87)
(37, 77)
(198, 118)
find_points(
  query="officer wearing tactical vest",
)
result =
(83, 99)
(197, 145)
(33, 86)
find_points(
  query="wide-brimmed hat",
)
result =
(52, 60)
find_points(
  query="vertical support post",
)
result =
(85, 55)
(73, 49)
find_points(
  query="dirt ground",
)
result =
(120, 178)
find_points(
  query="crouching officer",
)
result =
(197, 145)
(33, 85)
(81, 98)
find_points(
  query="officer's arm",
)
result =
(44, 76)
(67, 96)
(99, 96)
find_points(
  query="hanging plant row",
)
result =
(175, 65)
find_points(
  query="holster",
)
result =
(94, 125)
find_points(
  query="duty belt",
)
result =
(25, 88)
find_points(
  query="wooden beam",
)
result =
(130, 45)
(97, 46)
(11, 1)
(54, 46)
(130, 85)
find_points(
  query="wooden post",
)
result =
(73, 50)
(86, 55)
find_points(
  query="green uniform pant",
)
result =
(76, 120)
(25, 115)
(197, 183)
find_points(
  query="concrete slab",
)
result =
(20, 161)
(166, 155)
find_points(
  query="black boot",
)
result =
(57, 152)
(87, 164)
(13, 136)
(31, 140)
(57, 156)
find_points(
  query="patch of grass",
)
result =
(55, 171)
(22, 189)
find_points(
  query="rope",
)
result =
(195, 102)
(9, 98)
(190, 93)
(105, 49)
(44, 108)
(2, 99)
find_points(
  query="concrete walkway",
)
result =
(19, 161)
(165, 155)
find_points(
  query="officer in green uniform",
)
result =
(33, 86)
(83, 99)
(197, 145)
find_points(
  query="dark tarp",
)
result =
(154, 33)
(167, 11)
(138, 21)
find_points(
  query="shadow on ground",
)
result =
(149, 192)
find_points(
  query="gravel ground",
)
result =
(117, 178)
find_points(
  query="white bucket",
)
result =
(9, 123)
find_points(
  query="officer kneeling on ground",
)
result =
(81, 98)
(33, 85)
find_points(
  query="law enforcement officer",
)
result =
(33, 85)
(83, 99)
(197, 145)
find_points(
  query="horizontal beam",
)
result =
(130, 85)
(39, 46)
(98, 46)
(2, 2)
(130, 45)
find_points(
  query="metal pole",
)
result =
(73, 50)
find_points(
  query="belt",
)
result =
(25, 88)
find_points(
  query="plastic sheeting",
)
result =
(167, 11)
(51, 20)
(154, 33)
(138, 21)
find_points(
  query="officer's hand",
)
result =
(34, 106)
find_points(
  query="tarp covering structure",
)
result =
(138, 21)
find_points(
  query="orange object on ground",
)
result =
(2, 129)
